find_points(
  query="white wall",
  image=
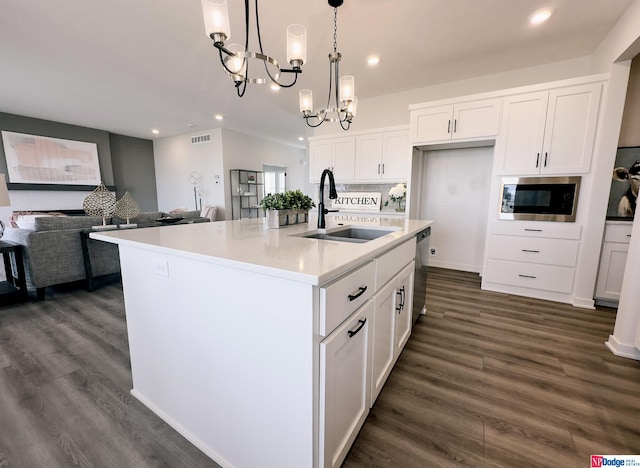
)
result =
(457, 183)
(393, 109)
(242, 151)
(176, 157)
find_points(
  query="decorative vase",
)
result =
(400, 206)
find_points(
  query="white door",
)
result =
(519, 145)
(432, 124)
(344, 386)
(475, 119)
(319, 158)
(344, 158)
(382, 341)
(396, 154)
(404, 302)
(368, 157)
(570, 131)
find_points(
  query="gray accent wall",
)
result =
(47, 128)
(134, 170)
(125, 162)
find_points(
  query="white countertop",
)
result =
(247, 244)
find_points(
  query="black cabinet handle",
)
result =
(383, 168)
(353, 297)
(532, 251)
(449, 126)
(628, 235)
(527, 276)
(352, 333)
(403, 295)
(545, 159)
(533, 230)
(455, 125)
(537, 159)
(378, 168)
(400, 305)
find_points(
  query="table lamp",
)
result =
(4, 200)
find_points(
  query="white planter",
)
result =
(279, 218)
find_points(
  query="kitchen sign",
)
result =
(360, 201)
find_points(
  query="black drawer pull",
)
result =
(527, 276)
(628, 235)
(355, 332)
(353, 297)
(533, 230)
(532, 251)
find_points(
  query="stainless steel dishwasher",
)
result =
(420, 278)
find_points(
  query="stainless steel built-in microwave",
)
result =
(539, 198)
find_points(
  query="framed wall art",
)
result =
(33, 159)
(626, 157)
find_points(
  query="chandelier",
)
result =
(341, 88)
(235, 58)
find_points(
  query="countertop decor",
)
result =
(285, 209)
(398, 194)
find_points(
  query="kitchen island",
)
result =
(240, 336)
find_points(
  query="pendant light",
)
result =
(341, 88)
(235, 58)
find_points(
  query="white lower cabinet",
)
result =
(391, 326)
(360, 346)
(534, 259)
(344, 385)
(613, 260)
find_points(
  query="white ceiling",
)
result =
(127, 66)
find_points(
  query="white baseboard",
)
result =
(622, 350)
(454, 266)
(583, 303)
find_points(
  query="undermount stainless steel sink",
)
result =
(347, 234)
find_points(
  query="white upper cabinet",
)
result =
(337, 154)
(548, 132)
(372, 156)
(469, 120)
(382, 156)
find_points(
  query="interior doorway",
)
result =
(275, 178)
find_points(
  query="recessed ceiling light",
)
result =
(540, 16)
(218, 117)
(300, 138)
(155, 132)
(373, 60)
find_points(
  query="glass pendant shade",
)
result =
(296, 44)
(237, 63)
(353, 106)
(216, 17)
(306, 100)
(347, 88)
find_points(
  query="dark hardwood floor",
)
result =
(492, 380)
(486, 380)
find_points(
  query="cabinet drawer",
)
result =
(537, 229)
(618, 233)
(530, 275)
(561, 252)
(340, 298)
(389, 264)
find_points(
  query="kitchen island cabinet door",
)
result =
(404, 306)
(344, 386)
(382, 338)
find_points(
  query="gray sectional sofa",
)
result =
(53, 251)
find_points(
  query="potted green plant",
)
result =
(284, 209)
